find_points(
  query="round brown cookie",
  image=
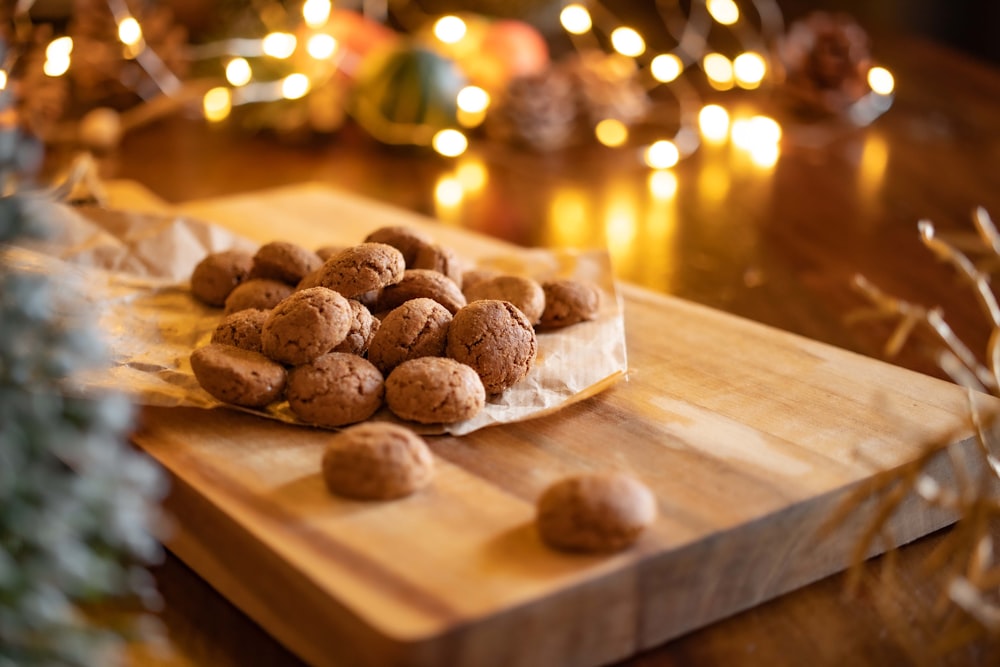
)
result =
(569, 302)
(241, 329)
(418, 328)
(307, 324)
(238, 376)
(496, 339)
(311, 279)
(335, 389)
(407, 240)
(284, 261)
(363, 328)
(218, 274)
(376, 461)
(441, 259)
(362, 268)
(473, 276)
(328, 251)
(434, 390)
(524, 293)
(594, 512)
(417, 283)
(258, 293)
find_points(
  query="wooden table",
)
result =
(777, 245)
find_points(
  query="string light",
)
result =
(321, 46)
(57, 56)
(450, 29)
(472, 174)
(765, 129)
(575, 19)
(666, 67)
(713, 121)
(473, 99)
(663, 184)
(238, 72)
(3, 79)
(662, 154)
(129, 31)
(628, 42)
(295, 86)
(881, 81)
(280, 45)
(724, 11)
(217, 104)
(448, 192)
(611, 132)
(316, 12)
(719, 71)
(749, 69)
(450, 143)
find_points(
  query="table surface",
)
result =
(779, 245)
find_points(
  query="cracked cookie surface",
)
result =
(376, 461)
(524, 293)
(496, 340)
(218, 274)
(417, 328)
(238, 376)
(335, 389)
(241, 329)
(306, 325)
(434, 390)
(284, 261)
(362, 268)
(417, 283)
(569, 302)
(363, 328)
(257, 293)
(407, 240)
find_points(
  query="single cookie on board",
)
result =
(434, 390)
(363, 328)
(284, 261)
(257, 293)
(376, 461)
(439, 258)
(569, 302)
(524, 293)
(407, 240)
(418, 283)
(218, 274)
(307, 324)
(594, 512)
(496, 339)
(418, 328)
(335, 390)
(362, 268)
(238, 376)
(241, 329)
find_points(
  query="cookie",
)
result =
(257, 293)
(362, 268)
(434, 390)
(335, 390)
(441, 259)
(376, 461)
(218, 274)
(328, 251)
(363, 328)
(287, 262)
(306, 325)
(241, 329)
(569, 302)
(496, 339)
(407, 240)
(417, 283)
(418, 328)
(524, 293)
(594, 513)
(238, 376)
(472, 276)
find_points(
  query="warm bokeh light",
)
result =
(279, 45)
(59, 48)
(874, 160)
(217, 104)
(568, 218)
(129, 31)
(238, 72)
(628, 42)
(450, 143)
(749, 69)
(611, 132)
(3, 79)
(621, 226)
(663, 184)
(56, 66)
(473, 99)
(713, 121)
(724, 11)
(719, 70)
(321, 46)
(765, 154)
(575, 19)
(662, 154)
(316, 12)
(472, 174)
(295, 86)
(714, 182)
(881, 80)
(765, 130)
(742, 133)
(666, 67)
(450, 29)
(448, 192)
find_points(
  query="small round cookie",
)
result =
(594, 512)
(406, 240)
(335, 390)
(362, 268)
(307, 324)
(434, 390)
(363, 328)
(218, 274)
(237, 376)
(569, 302)
(241, 329)
(418, 328)
(418, 283)
(257, 293)
(496, 339)
(328, 251)
(524, 293)
(376, 461)
(473, 276)
(284, 261)
(441, 259)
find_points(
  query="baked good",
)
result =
(363, 328)
(594, 512)
(376, 461)
(362, 268)
(417, 283)
(307, 324)
(434, 390)
(472, 276)
(407, 240)
(238, 376)
(524, 293)
(218, 274)
(328, 251)
(241, 329)
(569, 302)
(496, 339)
(335, 389)
(284, 261)
(259, 293)
(439, 258)
(418, 328)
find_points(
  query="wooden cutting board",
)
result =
(751, 438)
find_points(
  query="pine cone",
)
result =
(607, 87)
(538, 112)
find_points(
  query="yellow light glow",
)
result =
(663, 184)
(279, 45)
(56, 66)
(295, 86)
(473, 99)
(611, 132)
(472, 175)
(713, 121)
(621, 227)
(742, 133)
(881, 80)
(765, 154)
(724, 11)
(568, 219)
(316, 12)
(3, 79)
(719, 71)
(765, 130)
(628, 42)
(238, 72)
(450, 29)
(666, 67)
(448, 192)
(59, 48)
(749, 69)
(450, 143)
(662, 154)
(575, 19)
(129, 31)
(217, 104)
(321, 46)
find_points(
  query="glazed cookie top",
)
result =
(434, 390)
(287, 262)
(238, 376)
(418, 283)
(496, 339)
(418, 328)
(307, 324)
(524, 293)
(218, 274)
(376, 461)
(258, 293)
(362, 268)
(335, 389)
(241, 329)
(407, 240)
(569, 302)
(363, 328)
